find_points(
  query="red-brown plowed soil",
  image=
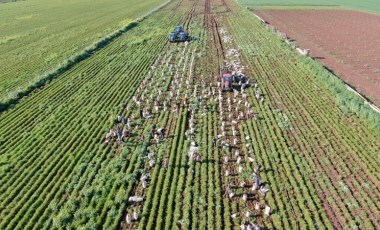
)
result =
(345, 41)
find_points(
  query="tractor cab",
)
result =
(172, 36)
(240, 78)
(178, 29)
(227, 79)
(179, 35)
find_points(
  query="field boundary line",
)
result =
(366, 101)
(74, 60)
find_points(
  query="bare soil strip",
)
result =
(347, 42)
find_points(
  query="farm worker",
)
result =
(166, 163)
(191, 133)
(114, 132)
(267, 210)
(254, 187)
(146, 115)
(193, 149)
(203, 83)
(255, 116)
(161, 132)
(144, 184)
(126, 133)
(119, 134)
(248, 114)
(256, 179)
(157, 138)
(141, 113)
(109, 134)
(241, 115)
(151, 164)
(128, 219)
(143, 177)
(255, 227)
(236, 92)
(205, 109)
(234, 215)
(214, 141)
(198, 157)
(229, 148)
(238, 160)
(156, 108)
(177, 106)
(257, 206)
(258, 169)
(221, 143)
(258, 95)
(263, 190)
(135, 215)
(185, 101)
(123, 121)
(235, 141)
(226, 159)
(106, 142)
(245, 85)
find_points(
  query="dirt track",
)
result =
(345, 41)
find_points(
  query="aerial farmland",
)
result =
(189, 114)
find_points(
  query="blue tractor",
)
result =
(179, 35)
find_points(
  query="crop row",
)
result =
(48, 161)
(32, 47)
(327, 154)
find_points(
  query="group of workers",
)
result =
(120, 132)
(232, 109)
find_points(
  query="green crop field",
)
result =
(37, 36)
(287, 148)
(372, 6)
